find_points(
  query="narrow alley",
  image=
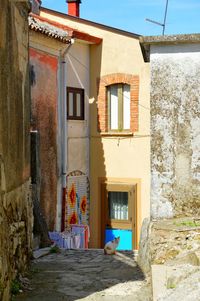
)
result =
(86, 275)
(99, 150)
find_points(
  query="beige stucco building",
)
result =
(110, 145)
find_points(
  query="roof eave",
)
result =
(86, 37)
(72, 33)
(147, 41)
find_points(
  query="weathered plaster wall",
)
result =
(175, 130)
(15, 196)
(44, 96)
(47, 114)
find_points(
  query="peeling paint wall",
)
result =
(15, 194)
(175, 130)
(44, 94)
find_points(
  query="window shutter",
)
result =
(126, 107)
(114, 107)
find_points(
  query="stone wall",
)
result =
(175, 130)
(164, 241)
(15, 194)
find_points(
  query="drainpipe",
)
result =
(63, 87)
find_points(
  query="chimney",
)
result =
(35, 6)
(74, 7)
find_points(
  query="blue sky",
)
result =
(183, 15)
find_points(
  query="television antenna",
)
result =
(164, 21)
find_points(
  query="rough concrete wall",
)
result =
(15, 198)
(44, 93)
(175, 130)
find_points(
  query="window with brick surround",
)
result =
(118, 98)
(75, 103)
(118, 103)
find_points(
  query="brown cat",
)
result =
(111, 246)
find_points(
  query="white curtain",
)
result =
(118, 204)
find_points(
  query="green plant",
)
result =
(15, 287)
(190, 223)
(55, 249)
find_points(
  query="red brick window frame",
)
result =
(102, 107)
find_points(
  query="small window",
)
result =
(75, 103)
(118, 107)
(118, 205)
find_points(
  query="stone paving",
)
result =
(87, 275)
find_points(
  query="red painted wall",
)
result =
(44, 93)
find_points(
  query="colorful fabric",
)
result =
(77, 200)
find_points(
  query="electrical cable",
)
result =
(104, 82)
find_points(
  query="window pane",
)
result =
(71, 106)
(118, 205)
(114, 107)
(78, 105)
(126, 108)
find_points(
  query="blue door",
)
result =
(119, 215)
(125, 238)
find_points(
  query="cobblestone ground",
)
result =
(86, 275)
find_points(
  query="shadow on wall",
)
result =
(97, 159)
(106, 154)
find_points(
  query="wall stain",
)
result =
(175, 129)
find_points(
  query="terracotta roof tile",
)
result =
(52, 31)
(59, 31)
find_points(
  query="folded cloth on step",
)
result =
(66, 240)
(83, 230)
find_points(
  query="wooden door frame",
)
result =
(136, 183)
